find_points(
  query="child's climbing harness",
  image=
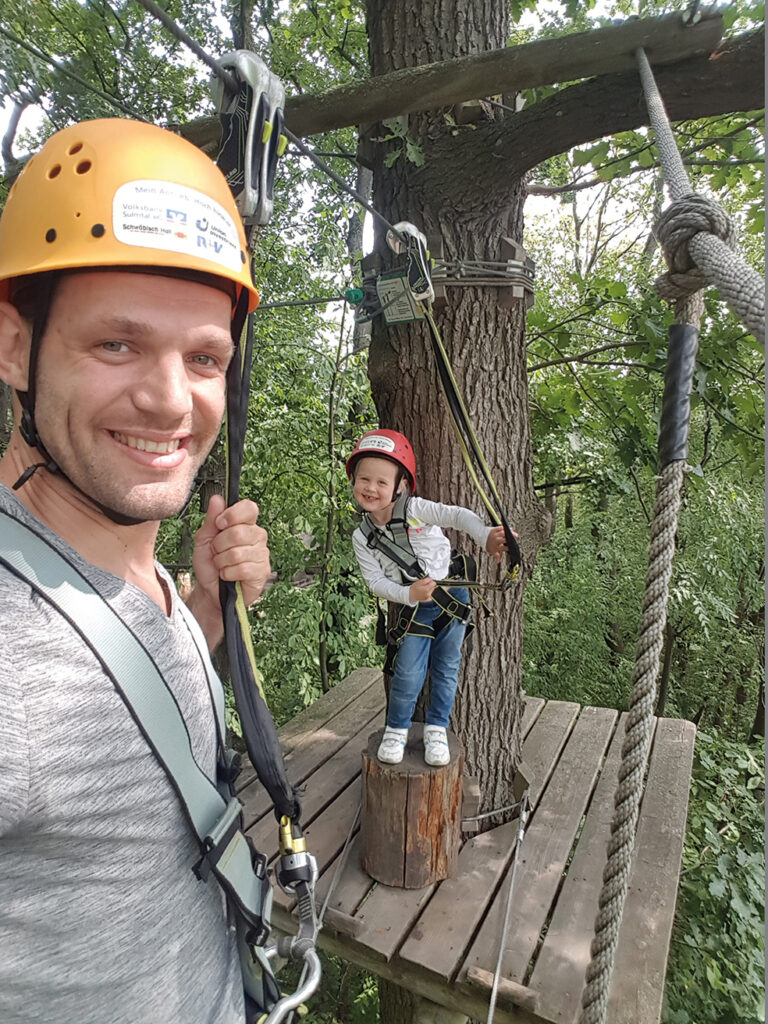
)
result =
(398, 548)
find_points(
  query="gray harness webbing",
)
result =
(214, 818)
(400, 550)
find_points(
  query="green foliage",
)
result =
(597, 350)
(583, 603)
(715, 973)
(407, 146)
(347, 993)
(117, 49)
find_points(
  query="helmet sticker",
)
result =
(164, 215)
(377, 442)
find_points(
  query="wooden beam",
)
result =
(600, 51)
(498, 153)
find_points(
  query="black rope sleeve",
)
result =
(676, 404)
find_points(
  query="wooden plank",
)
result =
(641, 955)
(532, 708)
(558, 976)
(466, 999)
(643, 948)
(506, 991)
(388, 913)
(352, 886)
(321, 788)
(317, 714)
(314, 749)
(545, 851)
(332, 703)
(440, 938)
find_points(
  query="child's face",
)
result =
(374, 485)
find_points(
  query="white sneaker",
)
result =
(436, 749)
(392, 745)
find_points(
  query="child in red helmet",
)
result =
(402, 552)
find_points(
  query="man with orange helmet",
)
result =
(402, 552)
(124, 283)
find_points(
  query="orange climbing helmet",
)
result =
(385, 444)
(120, 193)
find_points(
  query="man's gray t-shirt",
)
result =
(102, 920)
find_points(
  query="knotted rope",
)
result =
(697, 238)
(695, 233)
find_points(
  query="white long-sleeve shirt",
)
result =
(429, 543)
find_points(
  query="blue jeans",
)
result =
(442, 656)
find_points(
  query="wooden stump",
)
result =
(411, 817)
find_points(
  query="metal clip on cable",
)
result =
(253, 138)
(406, 238)
(296, 875)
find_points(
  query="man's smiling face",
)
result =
(131, 386)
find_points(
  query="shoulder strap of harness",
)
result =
(213, 818)
(398, 549)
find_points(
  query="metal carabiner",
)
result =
(306, 988)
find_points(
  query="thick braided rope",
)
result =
(634, 753)
(696, 235)
(697, 239)
(636, 747)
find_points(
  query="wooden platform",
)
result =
(427, 940)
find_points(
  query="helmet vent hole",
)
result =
(75, 148)
(83, 167)
(50, 235)
(98, 230)
(54, 171)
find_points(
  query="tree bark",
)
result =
(486, 346)
(758, 726)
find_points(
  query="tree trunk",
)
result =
(551, 494)
(486, 346)
(758, 726)
(569, 510)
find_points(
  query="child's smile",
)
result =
(374, 487)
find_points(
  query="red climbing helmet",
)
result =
(385, 444)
